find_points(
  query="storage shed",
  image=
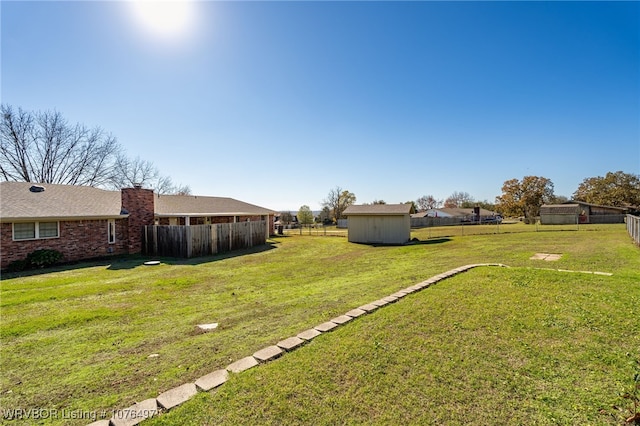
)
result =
(379, 223)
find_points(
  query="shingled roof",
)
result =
(17, 202)
(378, 209)
(190, 205)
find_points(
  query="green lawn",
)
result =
(492, 345)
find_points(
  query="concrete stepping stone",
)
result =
(212, 380)
(176, 396)
(380, 302)
(268, 353)
(369, 307)
(390, 299)
(136, 413)
(355, 313)
(326, 326)
(341, 319)
(309, 334)
(291, 343)
(100, 423)
(242, 364)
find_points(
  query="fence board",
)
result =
(202, 240)
(633, 227)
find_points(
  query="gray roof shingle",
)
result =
(378, 209)
(56, 201)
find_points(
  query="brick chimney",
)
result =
(139, 204)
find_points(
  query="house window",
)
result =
(24, 231)
(111, 230)
(35, 230)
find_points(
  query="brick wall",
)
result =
(140, 205)
(78, 240)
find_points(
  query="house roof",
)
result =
(559, 209)
(454, 212)
(195, 205)
(582, 203)
(18, 202)
(57, 202)
(378, 209)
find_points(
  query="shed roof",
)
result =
(559, 209)
(17, 202)
(378, 209)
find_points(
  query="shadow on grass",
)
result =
(120, 262)
(134, 263)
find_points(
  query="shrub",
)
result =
(43, 258)
(18, 265)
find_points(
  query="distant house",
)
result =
(84, 222)
(574, 212)
(460, 213)
(379, 223)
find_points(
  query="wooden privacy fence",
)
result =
(633, 227)
(202, 240)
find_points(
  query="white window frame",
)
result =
(36, 231)
(111, 231)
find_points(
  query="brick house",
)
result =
(85, 222)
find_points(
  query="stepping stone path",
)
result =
(172, 398)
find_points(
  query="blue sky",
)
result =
(276, 103)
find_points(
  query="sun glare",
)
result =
(164, 18)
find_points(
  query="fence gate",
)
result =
(202, 240)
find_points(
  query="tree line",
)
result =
(44, 147)
(519, 198)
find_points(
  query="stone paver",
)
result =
(212, 380)
(355, 313)
(369, 307)
(326, 326)
(136, 413)
(309, 334)
(242, 364)
(291, 343)
(268, 353)
(341, 319)
(176, 396)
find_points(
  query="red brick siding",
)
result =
(140, 205)
(78, 240)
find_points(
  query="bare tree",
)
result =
(427, 202)
(338, 200)
(458, 199)
(44, 147)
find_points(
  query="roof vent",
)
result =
(36, 188)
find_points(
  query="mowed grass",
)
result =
(499, 345)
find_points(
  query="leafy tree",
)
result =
(414, 208)
(305, 215)
(338, 200)
(427, 202)
(617, 189)
(44, 147)
(286, 218)
(482, 204)
(325, 215)
(379, 202)
(524, 198)
(457, 199)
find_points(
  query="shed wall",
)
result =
(378, 229)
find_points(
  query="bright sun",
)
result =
(165, 18)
